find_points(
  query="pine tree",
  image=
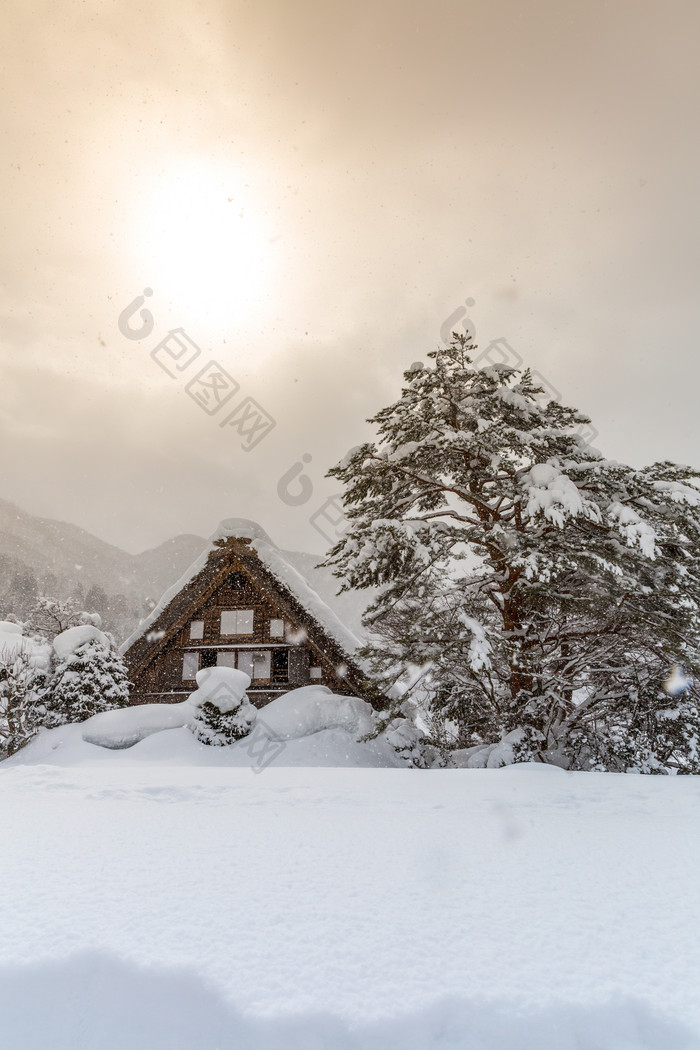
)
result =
(96, 600)
(22, 592)
(549, 589)
(87, 679)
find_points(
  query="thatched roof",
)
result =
(242, 544)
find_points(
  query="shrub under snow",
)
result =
(222, 711)
(24, 667)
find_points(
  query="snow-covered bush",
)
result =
(410, 741)
(549, 590)
(89, 676)
(222, 712)
(411, 744)
(24, 672)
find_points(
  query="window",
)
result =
(245, 662)
(276, 628)
(257, 665)
(197, 629)
(190, 666)
(237, 621)
(280, 664)
(226, 659)
(261, 665)
(315, 672)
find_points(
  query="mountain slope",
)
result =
(49, 546)
(64, 559)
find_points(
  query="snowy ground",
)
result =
(150, 903)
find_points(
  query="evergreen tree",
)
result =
(89, 677)
(96, 600)
(549, 589)
(77, 595)
(22, 592)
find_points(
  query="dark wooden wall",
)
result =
(162, 679)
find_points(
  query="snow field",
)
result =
(178, 906)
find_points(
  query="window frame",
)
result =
(188, 657)
(277, 620)
(266, 654)
(237, 633)
(249, 657)
(229, 653)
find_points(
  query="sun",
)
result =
(206, 245)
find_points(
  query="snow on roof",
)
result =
(240, 529)
(274, 561)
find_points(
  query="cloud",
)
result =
(402, 157)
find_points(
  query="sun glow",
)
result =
(207, 246)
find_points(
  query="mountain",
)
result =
(40, 555)
(158, 569)
(55, 547)
(60, 549)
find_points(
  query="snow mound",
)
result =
(308, 726)
(240, 529)
(127, 726)
(14, 644)
(488, 756)
(224, 687)
(66, 643)
(314, 708)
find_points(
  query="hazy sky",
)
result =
(310, 189)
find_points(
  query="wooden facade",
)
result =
(236, 613)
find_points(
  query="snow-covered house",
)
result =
(241, 604)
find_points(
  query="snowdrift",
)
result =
(165, 906)
(307, 726)
(123, 1005)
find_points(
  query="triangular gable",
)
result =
(235, 552)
